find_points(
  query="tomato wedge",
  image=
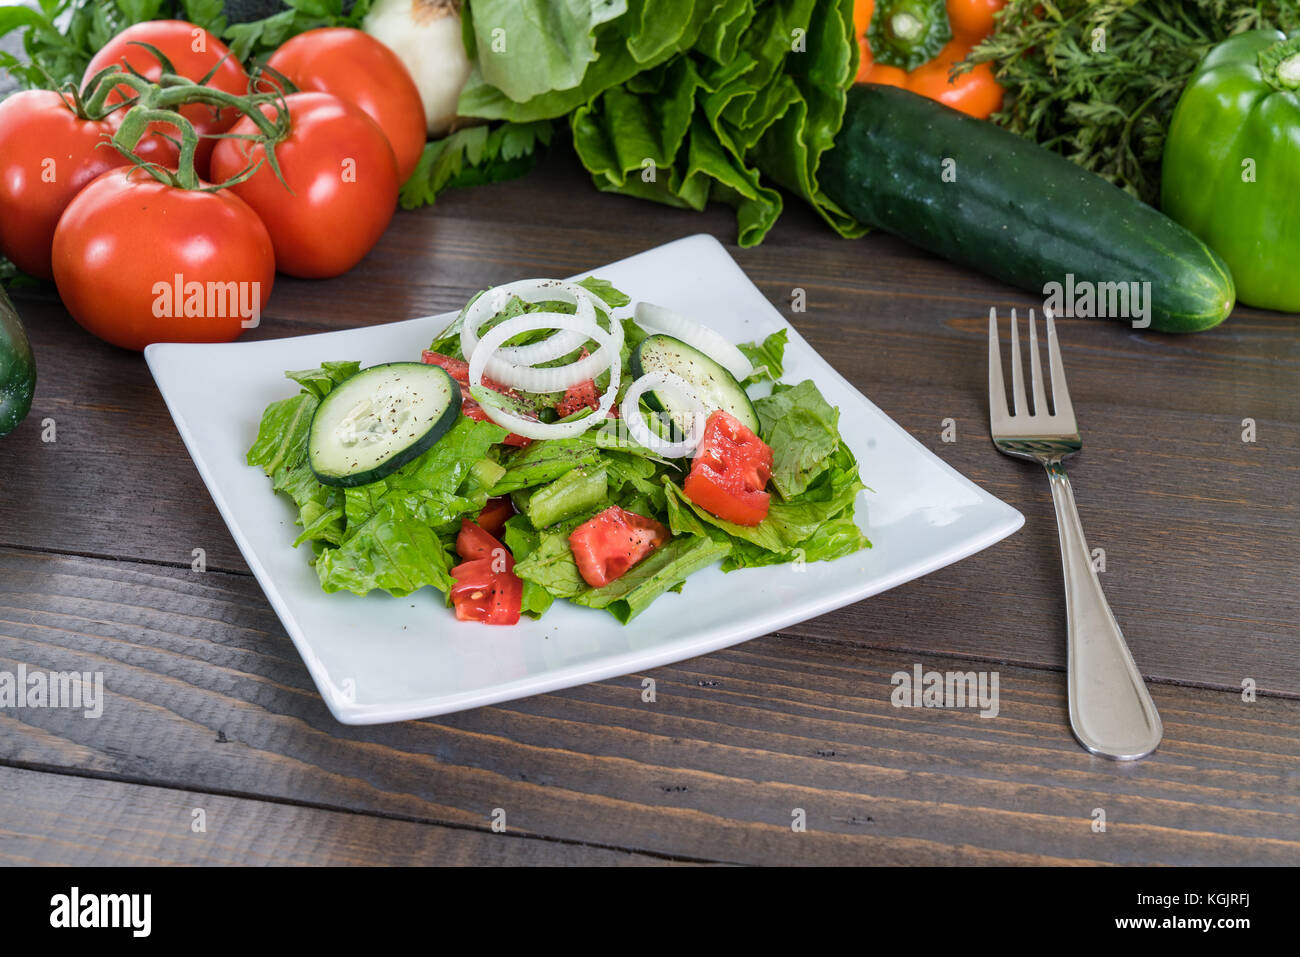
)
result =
(486, 589)
(458, 369)
(474, 543)
(730, 471)
(495, 514)
(607, 545)
(480, 594)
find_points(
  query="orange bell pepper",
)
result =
(904, 35)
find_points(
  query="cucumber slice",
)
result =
(372, 424)
(714, 386)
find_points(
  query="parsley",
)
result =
(473, 156)
(60, 36)
(1097, 80)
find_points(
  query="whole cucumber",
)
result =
(983, 197)
(17, 368)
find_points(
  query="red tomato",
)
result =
(458, 369)
(481, 594)
(730, 471)
(607, 545)
(342, 176)
(193, 51)
(495, 514)
(473, 543)
(360, 69)
(47, 155)
(137, 261)
(584, 395)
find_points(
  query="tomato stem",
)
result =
(161, 101)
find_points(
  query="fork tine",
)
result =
(997, 388)
(1036, 369)
(1061, 405)
(1017, 375)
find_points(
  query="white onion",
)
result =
(658, 319)
(426, 36)
(529, 290)
(610, 345)
(666, 382)
(557, 378)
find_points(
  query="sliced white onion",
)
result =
(529, 290)
(658, 319)
(552, 379)
(610, 345)
(630, 411)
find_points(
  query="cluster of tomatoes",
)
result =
(144, 247)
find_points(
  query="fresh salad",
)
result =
(544, 447)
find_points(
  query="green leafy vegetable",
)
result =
(1098, 81)
(767, 357)
(474, 156)
(803, 430)
(678, 101)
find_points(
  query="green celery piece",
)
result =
(664, 568)
(544, 462)
(578, 490)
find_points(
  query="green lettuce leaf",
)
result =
(767, 357)
(803, 430)
(394, 550)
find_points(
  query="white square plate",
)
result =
(380, 658)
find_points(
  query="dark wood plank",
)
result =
(206, 693)
(59, 819)
(1198, 527)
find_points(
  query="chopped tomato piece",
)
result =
(607, 545)
(495, 514)
(730, 471)
(481, 594)
(458, 369)
(474, 543)
(578, 397)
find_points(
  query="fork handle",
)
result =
(1111, 712)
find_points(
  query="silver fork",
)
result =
(1111, 712)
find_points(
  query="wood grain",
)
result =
(59, 819)
(205, 693)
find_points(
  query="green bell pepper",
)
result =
(1231, 168)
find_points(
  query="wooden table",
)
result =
(209, 707)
